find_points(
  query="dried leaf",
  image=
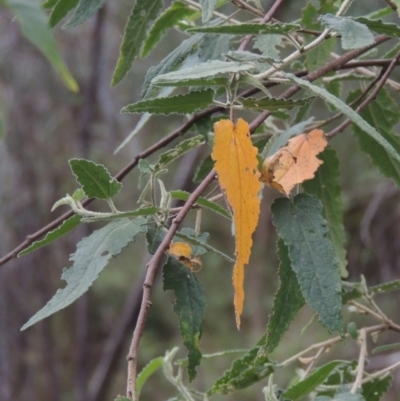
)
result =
(295, 162)
(183, 252)
(236, 164)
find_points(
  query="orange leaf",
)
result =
(183, 252)
(294, 163)
(236, 164)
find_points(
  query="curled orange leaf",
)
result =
(183, 252)
(294, 163)
(236, 163)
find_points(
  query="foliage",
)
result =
(218, 76)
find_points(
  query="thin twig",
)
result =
(151, 271)
(380, 373)
(370, 98)
(314, 360)
(265, 19)
(361, 361)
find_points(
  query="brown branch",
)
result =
(148, 283)
(312, 76)
(268, 16)
(370, 98)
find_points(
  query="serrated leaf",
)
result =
(169, 63)
(245, 371)
(379, 26)
(143, 13)
(183, 195)
(309, 384)
(287, 302)
(170, 155)
(301, 226)
(95, 179)
(66, 226)
(350, 113)
(195, 241)
(154, 236)
(85, 9)
(320, 54)
(353, 34)
(202, 70)
(326, 187)
(209, 81)
(387, 347)
(169, 18)
(204, 168)
(280, 139)
(383, 114)
(190, 307)
(385, 287)
(146, 372)
(181, 104)
(60, 10)
(144, 211)
(90, 258)
(271, 104)
(375, 389)
(248, 29)
(33, 22)
(207, 9)
(383, 12)
(236, 163)
(268, 44)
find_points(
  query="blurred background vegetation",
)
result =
(79, 354)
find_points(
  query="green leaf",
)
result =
(49, 4)
(287, 302)
(379, 26)
(374, 390)
(352, 330)
(146, 372)
(60, 10)
(318, 56)
(387, 347)
(383, 114)
(195, 241)
(214, 47)
(183, 195)
(143, 12)
(90, 258)
(383, 12)
(348, 397)
(268, 44)
(353, 34)
(374, 290)
(349, 112)
(34, 27)
(207, 9)
(181, 104)
(154, 236)
(169, 63)
(245, 371)
(144, 211)
(169, 18)
(208, 81)
(202, 70)
(309, 384)
(204, 169)
(271, 104)
(248, 29)
(301, 226)
(190, 307)
(66, 226)
(95, 179)
(183, 147)
(326, 187)
(85, 9)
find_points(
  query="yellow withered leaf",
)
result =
(294, 163)
(183, 252)
(236, 163)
